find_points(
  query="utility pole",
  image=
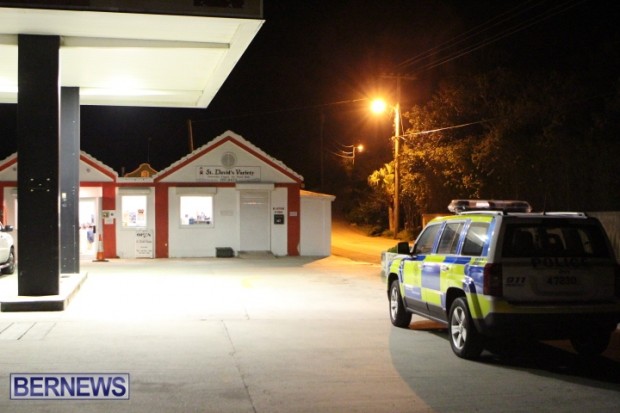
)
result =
(397, 160)
(190, 132)
(322, 149)
(397, 135)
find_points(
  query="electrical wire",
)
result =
(284, 110)
(569, 106)
(510, 30)
(342, 153)
(466, 35)
(426, 132)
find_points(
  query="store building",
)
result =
(227, 195)
(97, 188)
(58, 57)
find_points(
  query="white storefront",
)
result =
(97, 181)
(227, 195)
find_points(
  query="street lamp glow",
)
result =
(360, 148)
(378, 106)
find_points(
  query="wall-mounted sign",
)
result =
(221, 174)
(108, 216)
(278, 215)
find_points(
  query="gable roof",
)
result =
(8, 161)
(97, 164)
(238, 140)
(84, 157)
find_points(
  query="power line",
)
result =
(464, 36)
(569, 106)
(426, 132)
(510, 30)
(283, 110)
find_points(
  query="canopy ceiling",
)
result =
(130, 59)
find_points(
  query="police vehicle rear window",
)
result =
(475, 239)
(449, 240)
(554, 239)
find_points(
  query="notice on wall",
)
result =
(144, 244)
(278, 215)
(108, 217)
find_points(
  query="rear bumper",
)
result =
(546, 326)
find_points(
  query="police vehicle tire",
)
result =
(592, 343)
(399, 316)
(465, 340)
(10, 268)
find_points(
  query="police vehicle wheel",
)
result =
(10, 269)
(592, 343)
(398, 315)
(465, 340)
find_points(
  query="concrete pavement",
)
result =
(275, 335)
(263, 335)
(217, 335)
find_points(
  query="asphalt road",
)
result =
(351, 242)
(268, 335)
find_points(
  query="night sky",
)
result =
(316, 60)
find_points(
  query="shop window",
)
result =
(196, 211)
(134, 211)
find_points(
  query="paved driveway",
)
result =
(276, 335)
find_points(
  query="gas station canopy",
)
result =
(128, 58)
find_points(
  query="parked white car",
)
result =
(7, 250)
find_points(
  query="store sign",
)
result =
(222, 174)
(144, 244)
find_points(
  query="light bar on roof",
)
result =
(463, 205)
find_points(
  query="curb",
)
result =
(69, 286)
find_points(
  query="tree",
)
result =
(382, 182)
(547, 138)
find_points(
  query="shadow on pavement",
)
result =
(522, 374)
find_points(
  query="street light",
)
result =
(379, 106)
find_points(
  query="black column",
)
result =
(69, 180)
(38, 159)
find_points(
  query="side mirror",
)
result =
(403, 248)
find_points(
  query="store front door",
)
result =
(254, 220)
(88, 228)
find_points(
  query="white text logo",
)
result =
(69, 386)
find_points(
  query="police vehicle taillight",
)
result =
(463, 205)
(493, 280)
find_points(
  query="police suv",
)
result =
(495, 269)
(7, 250)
